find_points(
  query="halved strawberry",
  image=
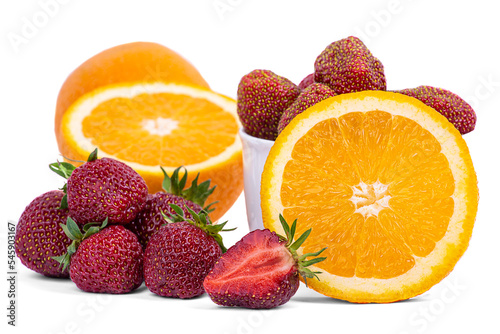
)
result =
(261, 270)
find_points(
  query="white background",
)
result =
(448, 44)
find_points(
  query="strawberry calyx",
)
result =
(293, 246)
(200, 220)
(65, 169)
(73, 232)
(197, 193)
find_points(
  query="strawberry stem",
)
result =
(302, 263)
(65, 169)
(92, 156)
(200, 220)
(73, 232)
(196, 193)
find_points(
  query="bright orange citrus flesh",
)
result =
(417, 209)
(214, 126)
(377, 189)
(131, 62)
(166, 128)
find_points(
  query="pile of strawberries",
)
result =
(109, 235)
(267, 102)
(105, 232)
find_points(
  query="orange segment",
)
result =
(385, 182)
(346, 235)
(379, 255)
(422, 223)
(327, 137)
(421, 182)
(154, 121)
(410, 147)
(126, 63)
(148, 125)
(320, 186)
(366, 136)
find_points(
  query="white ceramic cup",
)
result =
(255, 152)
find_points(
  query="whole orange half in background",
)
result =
(149, 125)
(385, 182)
(132, 62)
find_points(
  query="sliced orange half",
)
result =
(148, 125)
(385, 182)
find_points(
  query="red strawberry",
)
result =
(102, 188)
(307, 81)
(313, 94)
(180, 255)
(262, 98)
(103, 259)
(348, 66)
(149, 220)
(39, 236)
(448, 104)
(261, 270)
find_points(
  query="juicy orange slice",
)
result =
(130, 62)
(385, 182)
(148, 125)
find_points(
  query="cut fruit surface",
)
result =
(385, 182)
(131, 62)
(148, 125)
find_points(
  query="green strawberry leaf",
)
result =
(296, 245)
(63, 169)
(92, 156)
(200, 220)
(73, 232)
(73, 229)
(196, 193)
(293, 247)
(64, 202)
